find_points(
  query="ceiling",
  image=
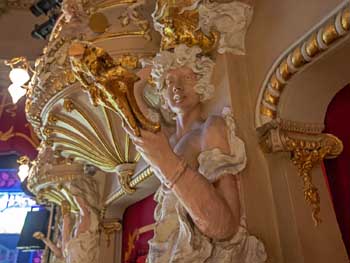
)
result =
(15, 34)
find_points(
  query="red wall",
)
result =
(337, 122)
(137, 217)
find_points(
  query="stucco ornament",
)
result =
(73, 9)
(84, 245)
(230, 19)
(220, 25)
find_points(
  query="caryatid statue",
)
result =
(200, 215)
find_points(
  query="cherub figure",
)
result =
(199, 217)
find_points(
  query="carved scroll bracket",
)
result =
(124, 172)
(308, 147)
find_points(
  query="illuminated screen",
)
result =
(13, 210)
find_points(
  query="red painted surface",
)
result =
(16, 134)
(337, 122)
(135, 247)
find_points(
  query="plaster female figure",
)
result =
(199, 216)
(80, 244)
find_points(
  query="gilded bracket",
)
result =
(308, 147)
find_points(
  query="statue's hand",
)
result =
(38, 235)
(156, 151)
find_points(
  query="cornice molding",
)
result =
(311, 47)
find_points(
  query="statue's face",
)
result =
(180, 94)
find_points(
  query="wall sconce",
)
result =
(23, 169)
(19, 76)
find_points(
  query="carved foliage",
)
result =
(307, 150)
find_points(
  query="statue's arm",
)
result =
(248, 2)
(85, 215)
(54, 248)
(213, 207)
(66, 229)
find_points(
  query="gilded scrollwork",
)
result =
(109, 84)
(307, 149)
(178, 23)
(305, 155)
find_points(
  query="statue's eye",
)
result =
(188, 77)
(168, 82)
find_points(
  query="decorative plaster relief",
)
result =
(308, 148)
(307, 50)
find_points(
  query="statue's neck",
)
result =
(188, 121)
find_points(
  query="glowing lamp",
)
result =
(23, 172)
(19, 76)
(16, 92)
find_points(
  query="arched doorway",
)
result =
(337, 122)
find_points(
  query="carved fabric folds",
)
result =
(85, 247)
(176, 238)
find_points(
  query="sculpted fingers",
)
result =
(128, 130)
(146, 134)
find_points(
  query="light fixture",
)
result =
(16, 92)
(23, 169)
(19, 75)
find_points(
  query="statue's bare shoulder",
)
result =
(214, 134)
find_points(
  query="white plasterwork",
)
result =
(230, 19)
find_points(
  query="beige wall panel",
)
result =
(15, 39)
(276, 25)
(313, 89)
(275, 205)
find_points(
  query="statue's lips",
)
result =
(178, 98)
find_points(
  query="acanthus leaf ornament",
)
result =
(308, 148)
(306, 154)
(178, 23)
